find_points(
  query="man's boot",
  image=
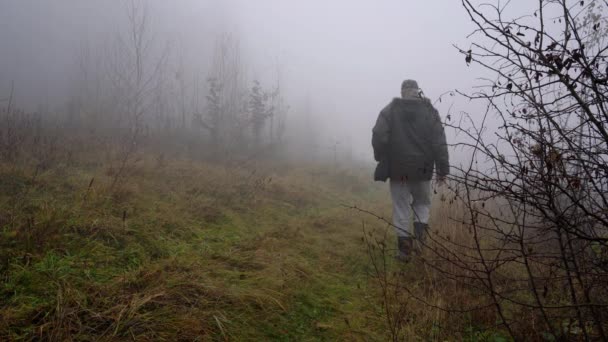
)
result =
(420, 231)
(405, 246)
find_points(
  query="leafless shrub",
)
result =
(136, 73)
(535, 191)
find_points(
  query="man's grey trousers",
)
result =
(411, 200)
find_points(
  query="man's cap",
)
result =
(409, 84)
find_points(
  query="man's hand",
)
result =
(441, 180)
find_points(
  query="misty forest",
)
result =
(206, 170)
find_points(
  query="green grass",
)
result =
(189, 251)
(199, 252)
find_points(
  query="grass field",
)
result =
(183, 250)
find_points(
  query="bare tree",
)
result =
(9, 138)
(260, 111)
(136, 72)
(536, 189)
(213, 118)
(279, 111)
(228, 73)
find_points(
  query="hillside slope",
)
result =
(186, 251)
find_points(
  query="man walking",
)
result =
(409, 143)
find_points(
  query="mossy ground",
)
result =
(186, 251)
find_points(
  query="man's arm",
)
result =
(381, 134)
(440, 147)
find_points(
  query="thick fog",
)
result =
(338, 62)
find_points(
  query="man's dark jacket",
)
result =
(409, 140)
